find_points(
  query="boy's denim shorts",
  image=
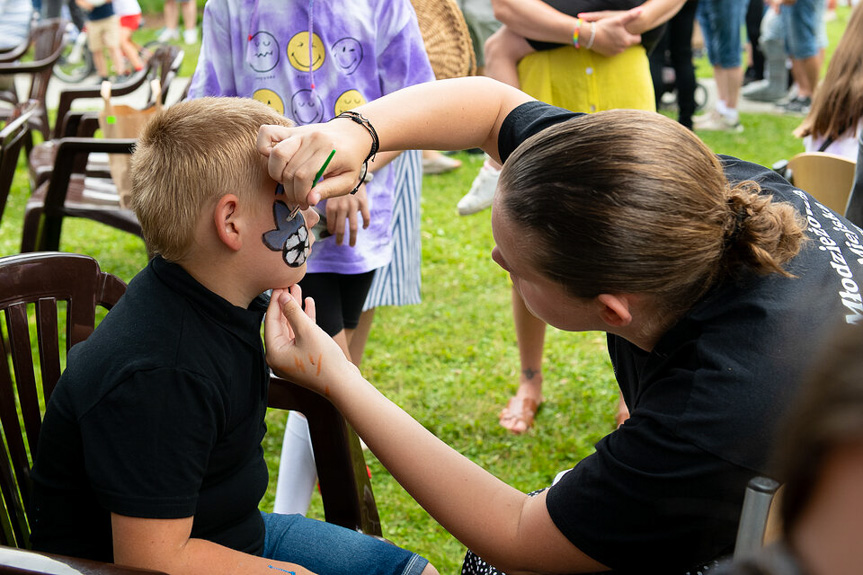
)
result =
(720, 22)
(329, 549)
(804, 28)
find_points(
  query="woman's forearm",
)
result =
(444, 115)
(504, 526)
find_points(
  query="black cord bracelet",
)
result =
(364, 122)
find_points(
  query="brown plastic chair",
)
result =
(67, 194)
(46, 38)
(12, 138)
(32, 287)
(828, 177)
(163, 65)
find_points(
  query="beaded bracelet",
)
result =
(575, 33)
(592, 36)
(363, 121)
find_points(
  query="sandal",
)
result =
(518, 410)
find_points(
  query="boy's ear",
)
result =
(614, 309)
(225, 217)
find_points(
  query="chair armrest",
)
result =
(15, 53)
(345, 486)
(31, 67)
(20, 562)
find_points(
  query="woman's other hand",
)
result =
(297, 349)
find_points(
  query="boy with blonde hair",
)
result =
(150, 452)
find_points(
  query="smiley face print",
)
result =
(348, 101)
(299, 55)
(271, 99)
(262, 52)
(347, 54)
(307, 107)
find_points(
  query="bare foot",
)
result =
(520, 410)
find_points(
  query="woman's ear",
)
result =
(615, 309)
(226, 220)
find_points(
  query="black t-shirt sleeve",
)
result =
(526, 120)
(147, 443)
(647, 498)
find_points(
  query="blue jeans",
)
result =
(328, 549)
(805, 35)
(720, 22)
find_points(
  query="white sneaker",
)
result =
(439, 164)
(168, 34)
(719, 123)
(190, 36)
(481, 191)
(707, 118)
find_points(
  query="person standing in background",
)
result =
(103, 33)
(189, 8)
(721, 21)
(676, 44)
(129, 12)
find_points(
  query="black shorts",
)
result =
(339, 298)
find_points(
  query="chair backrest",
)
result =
(828, 177)
(12, 138)
(165, 65)
(47, 38)
(854, 211)
(56, 296)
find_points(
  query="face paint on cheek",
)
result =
(291, 236)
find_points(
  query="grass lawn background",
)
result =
(452, 361)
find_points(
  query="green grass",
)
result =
(452, 361)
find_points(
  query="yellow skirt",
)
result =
(584, 81)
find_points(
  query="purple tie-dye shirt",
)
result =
(360, 50)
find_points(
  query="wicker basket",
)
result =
(446, 38)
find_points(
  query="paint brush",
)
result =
(317, 178)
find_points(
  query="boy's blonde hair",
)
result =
(188, 157)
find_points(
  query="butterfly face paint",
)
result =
(291, 236)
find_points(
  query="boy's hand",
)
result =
(346, 207)
(297, 349)
(612, 37)
(295, 155)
